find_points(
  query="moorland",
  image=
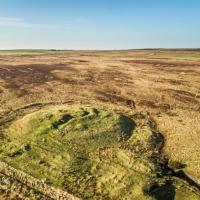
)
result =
(100, 124)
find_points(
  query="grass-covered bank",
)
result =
(93, 153)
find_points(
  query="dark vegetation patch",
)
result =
(183, 92)
(89, 76)
(167, 190)
(114, 98)
(184, 71)
(173, 81)
(159, 63)
(20, 76)
(186, 99)
(183, 96)
(64, 119)
(114, 75)
(83, 61)
(164, 107)
(70, 81)
(170, 66)
(148, 103)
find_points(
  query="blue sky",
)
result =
(99, 24)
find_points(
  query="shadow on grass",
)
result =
(186, 178)
(166, 191)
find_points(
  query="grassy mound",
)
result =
(92, 153)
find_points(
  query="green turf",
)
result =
(92, 153)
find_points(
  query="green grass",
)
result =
(92, 153)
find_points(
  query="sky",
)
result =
(99, 24)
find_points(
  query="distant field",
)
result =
(27, 52)
(163, 83)
(190, 55)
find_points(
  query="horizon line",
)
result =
(123, 49)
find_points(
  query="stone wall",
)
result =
(33, 183)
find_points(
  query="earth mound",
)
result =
(93, 153)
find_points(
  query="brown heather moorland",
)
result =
(165, 84)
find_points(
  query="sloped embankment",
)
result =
(89, 152)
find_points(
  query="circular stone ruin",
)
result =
(92, 153)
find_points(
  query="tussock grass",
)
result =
(92, 153)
